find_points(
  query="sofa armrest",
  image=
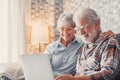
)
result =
(11, 71)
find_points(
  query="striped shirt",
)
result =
(63, 59)
(93, 61)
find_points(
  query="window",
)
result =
(12, 30)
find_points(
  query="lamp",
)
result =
(39, 34)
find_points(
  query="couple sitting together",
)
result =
(94, 57)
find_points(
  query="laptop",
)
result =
(37, 67)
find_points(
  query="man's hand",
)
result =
(65, 77)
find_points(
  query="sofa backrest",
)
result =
(118, 37)
(118, 75)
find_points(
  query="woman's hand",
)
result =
(108, 34)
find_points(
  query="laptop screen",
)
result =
(37, 67)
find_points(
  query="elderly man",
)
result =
(97, 59)
(64, 51)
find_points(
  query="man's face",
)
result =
(88, 31)
(67, 32)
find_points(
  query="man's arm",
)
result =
(94, 76)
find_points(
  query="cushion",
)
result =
(4, 67)
(11, 71)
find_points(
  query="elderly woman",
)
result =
(63, 51)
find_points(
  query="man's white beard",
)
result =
(90, 38)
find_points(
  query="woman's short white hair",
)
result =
(65, 18)
(87, 13)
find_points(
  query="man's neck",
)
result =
(90, 44)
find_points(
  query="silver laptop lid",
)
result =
(36, 67)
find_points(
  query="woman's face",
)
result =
(67, 32)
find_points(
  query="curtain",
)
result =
(12, 31)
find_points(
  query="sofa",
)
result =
(11, 71)
(118, 38)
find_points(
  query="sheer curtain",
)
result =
(12, 30)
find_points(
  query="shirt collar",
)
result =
(99, 40)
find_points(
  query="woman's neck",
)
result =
(65, 43)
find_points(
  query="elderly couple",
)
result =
(94, 57)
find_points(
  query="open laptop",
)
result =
(37, 67)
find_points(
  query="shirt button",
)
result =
(64, 59)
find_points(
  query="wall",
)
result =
(41, 12)
(48, 11)
(108, 10)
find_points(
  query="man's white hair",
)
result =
(65, 18)
(88, 13)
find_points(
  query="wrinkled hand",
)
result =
(65, 77)
(108, 34)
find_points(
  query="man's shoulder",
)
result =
(111, 43)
